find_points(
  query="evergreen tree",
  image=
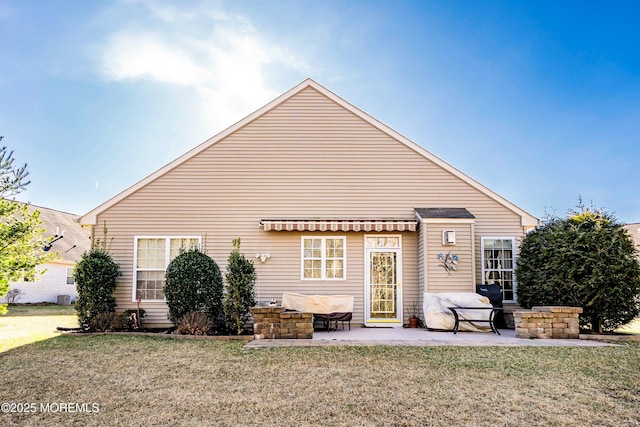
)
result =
(239, 292)
(586, 260)
(21, 242)
(95, 276)
(193, 282)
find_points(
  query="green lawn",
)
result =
(25, 324)
(133, 380)
(631, 328)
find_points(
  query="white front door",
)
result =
(383, 279)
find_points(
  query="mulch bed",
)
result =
(160, 333)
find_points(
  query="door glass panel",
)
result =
(382, 242)
(383, 285)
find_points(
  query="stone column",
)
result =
(548, 322)
(275, 323)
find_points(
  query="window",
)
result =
(324, 258)
(499, 264)
(70, 279)
(151, 258)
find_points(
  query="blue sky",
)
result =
(539, 101)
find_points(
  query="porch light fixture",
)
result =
(263, 257)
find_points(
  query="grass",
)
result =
(26, 324)
(155, 381)
(137, 380)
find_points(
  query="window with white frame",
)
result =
(152, 256)
(324, 258)
(70, 278)
(499, 264)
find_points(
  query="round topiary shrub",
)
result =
(193, 283)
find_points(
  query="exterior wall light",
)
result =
(263, 257)
(449, 237)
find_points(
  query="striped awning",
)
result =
(367, 225)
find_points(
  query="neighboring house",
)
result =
(58, 276)
(634, 230)
(329, 201)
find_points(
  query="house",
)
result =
(634, 231)
(70, 241)
(330, 201)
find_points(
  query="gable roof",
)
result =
(75, 240)
(444, 213)
(91, 216)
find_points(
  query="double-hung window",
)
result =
(152, 256)
(499, 264)
(70, 279)
(324, 258)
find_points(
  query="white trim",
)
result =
(526, 219)
(368, 321)
(473, 256)
(515, 261)
(323, 261)
(167, 260)
(448, 220)
(425, 261)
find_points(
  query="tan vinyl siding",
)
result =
(461, 280)
(306, 158)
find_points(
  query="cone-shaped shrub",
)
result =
(239, 294)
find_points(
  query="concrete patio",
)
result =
(398, 336)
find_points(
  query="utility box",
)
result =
(64, 300)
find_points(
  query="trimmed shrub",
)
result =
(13, 296)
(95, 275)
(119, 323)
(193, 283)
(103, 322)
(111, 322)
(195, 323)
(239, 293)
(587, 260)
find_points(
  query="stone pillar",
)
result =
(275, 323)
(266, 322)
(548, 322)
(296, 325)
